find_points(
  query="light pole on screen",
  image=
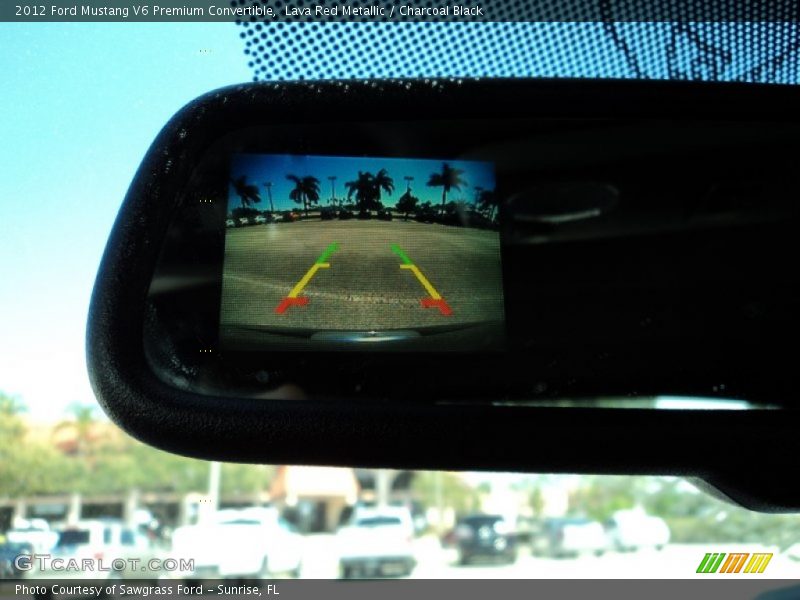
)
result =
(332, 179)
(268, 185)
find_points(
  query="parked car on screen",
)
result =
(260, 220)
(384, 215)
(244, 221)
(425, 214)
(230, 223)
(290, 217)
(569, 537)
(375, 542)
(345, 214)
(630, 530)
(249, 542)
(327, 213)
(484, 536)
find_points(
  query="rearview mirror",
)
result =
(462, 274)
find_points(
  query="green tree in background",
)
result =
(537, 502)
(245, 479)
(11, 425)
(12, 431)
(599, 497)
(99, 464)
(83, 426)
(453, 492)
(27, 466)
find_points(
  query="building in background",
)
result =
(314, 498)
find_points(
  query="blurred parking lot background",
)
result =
(78, 486)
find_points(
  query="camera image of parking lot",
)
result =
(365, 258)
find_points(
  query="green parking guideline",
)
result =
(333, 247)
(399, 251)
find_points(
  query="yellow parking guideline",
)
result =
(425, 283)
(306, 278)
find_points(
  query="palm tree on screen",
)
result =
(382, 183)
(367, 189)
(247, 192)
(305, 191)
(448, 178)
(362, 188)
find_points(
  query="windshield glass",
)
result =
(81, 105)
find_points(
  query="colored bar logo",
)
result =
(716, 562)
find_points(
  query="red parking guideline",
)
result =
(443, 307)
(287, 302)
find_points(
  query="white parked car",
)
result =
(34, 532)
(230, 223)
(377, 541)
(102, 541)
(260, 220)
(564, 537)
(248, 542)
(630, 530)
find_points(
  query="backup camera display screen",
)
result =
(361, 253)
